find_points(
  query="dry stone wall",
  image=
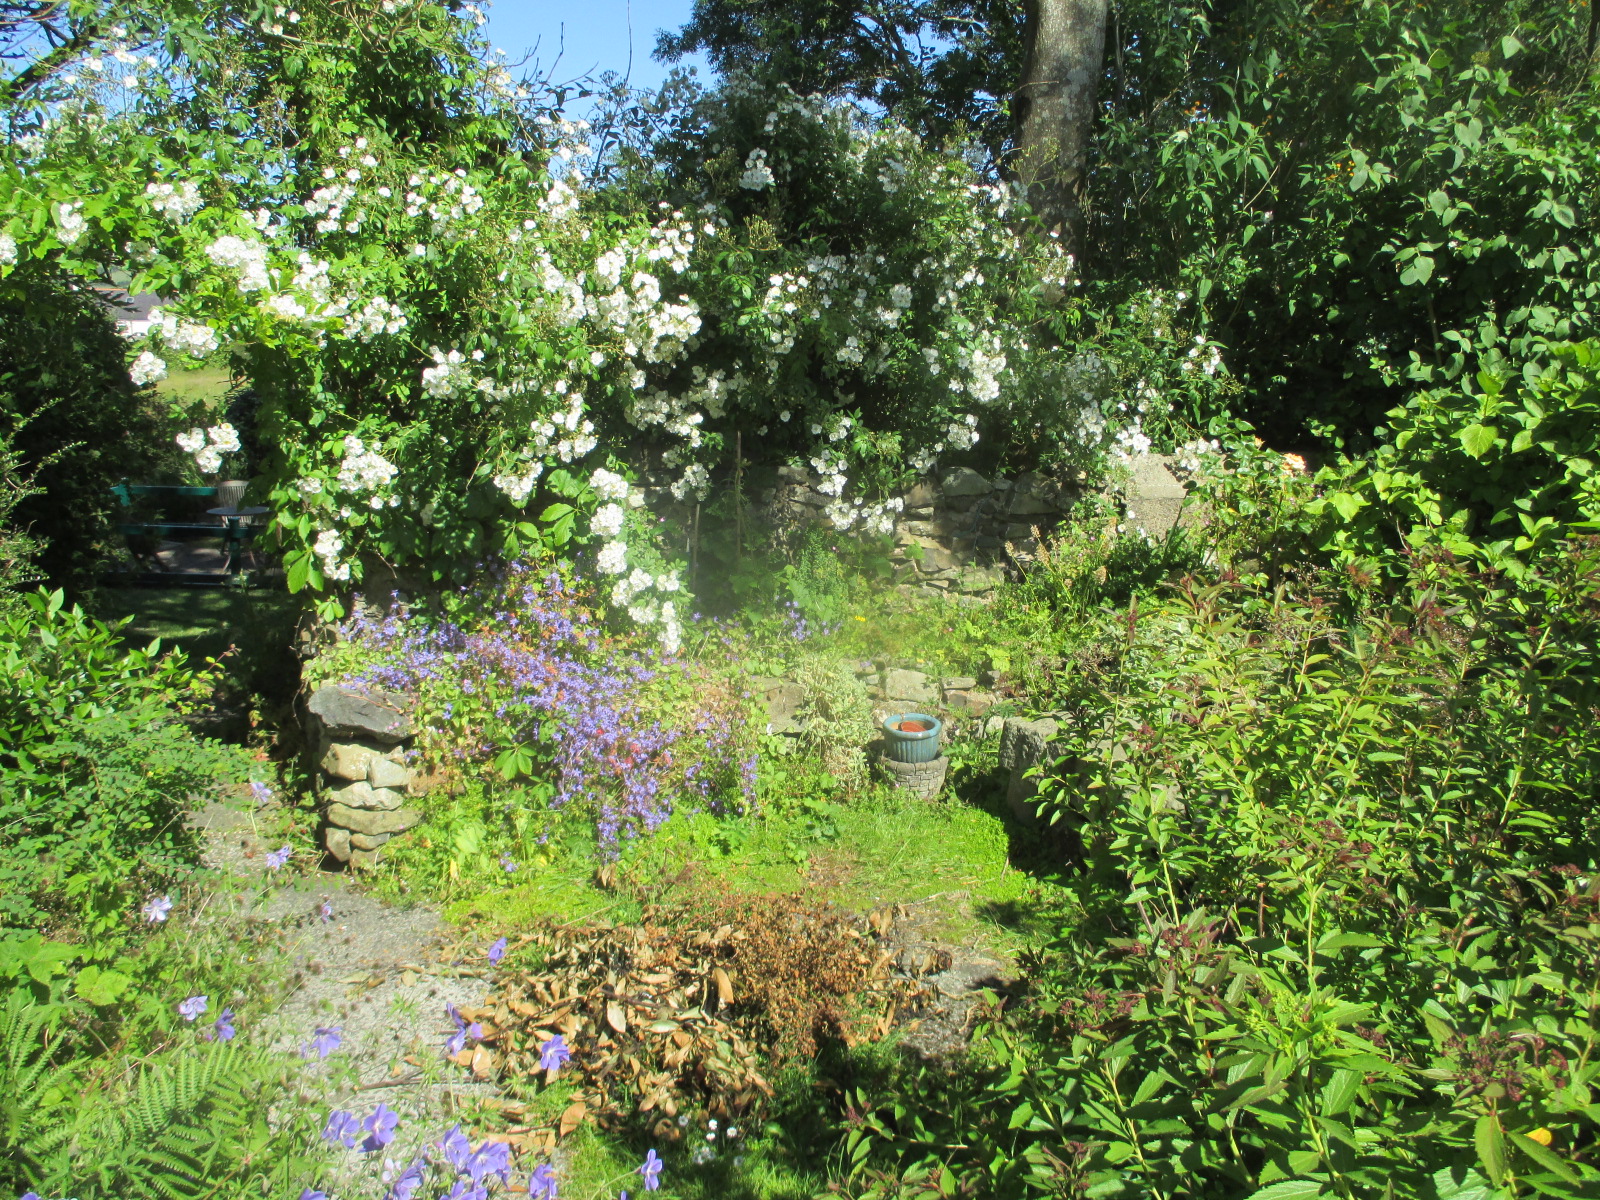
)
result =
(360, 739)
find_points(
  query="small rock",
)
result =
(364, 841)
(963, 481)
(370, 821)
(913, 686)
(381, 773)
(993, 726)
(960, 683)
(363, 860)
(363, 795)
(338, 842)
(348, 760)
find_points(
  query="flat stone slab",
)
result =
(371, 715)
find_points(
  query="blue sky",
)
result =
(593, 35)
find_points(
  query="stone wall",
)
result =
(359, 740)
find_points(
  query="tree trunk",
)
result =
(1055, 107)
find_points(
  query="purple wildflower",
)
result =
(651, 1171)
(311, 1194)
(554, 1053)
(156, 911)
(325, 912)
(491, 1158)
(497, 952)
(191, 1008)
(222, 1029)
(542, 1183)
(342, 1127)
(465, 1189)
(277, 858)
(464, 1032)
(507, 863)
(380, 1128)
(456, 1149)
(260, 792)
(407, 1182)
(325, 1040)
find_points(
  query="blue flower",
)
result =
(342, 1127)
(324, 1041)
(458, 1040)
(309, 1194)
(554, 1053)
(325, 912)
(222, 1030)
(380, 1128)
(492, 1158)
(277, 858)
(261, 793)
(191, 1008)
(497, 952)
(456, 1149)
(542, 1183)
(406, 1184)
(508, 863)
(651, 1171)
(156, 911)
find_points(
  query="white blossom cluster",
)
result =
(830, 467)
(377, 316)
(8, 250)
(194, 338)
(248, 258)
(147, 368)
(209, 445)
(845, 515)
(70, 222)
(757, 174)
(1130, 443)
(328, 546)
(365, 469)
(519, 486)
(1207, 358)
(176, 202)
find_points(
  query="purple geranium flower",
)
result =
(491, 1158)
(312, 1194)
(380, 1128)
(458, 1040)
(343, 1127)
(554, 1053)
(191, 1008)
(156, 911)
(222, 1029)
(325, 1040)
(407, 1182)
(325, 912)
(651, 1171)
(542, 1183)
(260, 793)
(497, 952)
(465, 1189)
(277, 858)
(456, 1149)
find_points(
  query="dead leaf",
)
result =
(724, 985)
(573, 1117)
(616, 1017)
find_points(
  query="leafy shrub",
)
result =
(96, 768)
(1339, 906)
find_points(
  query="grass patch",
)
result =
(200, 622)
(202, 385)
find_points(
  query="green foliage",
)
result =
(96, 767)
(76, 425)
(1337, 869)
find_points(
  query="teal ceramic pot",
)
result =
(911, 746)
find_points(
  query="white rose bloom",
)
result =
(147, 368)
(613, 559)
(607, 520)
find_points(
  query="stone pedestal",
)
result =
(925, 779)
(363, 779)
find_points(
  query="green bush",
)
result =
(96, 768)
(1339, 911)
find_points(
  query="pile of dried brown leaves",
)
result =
(685, 1010)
